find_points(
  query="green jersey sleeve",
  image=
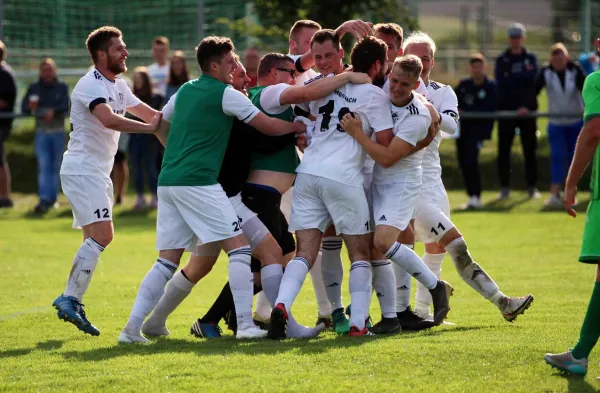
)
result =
(591, 96)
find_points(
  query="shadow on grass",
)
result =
(495, 206)
(580, 207)
(41, 346)
(577, 384)
(228, 345)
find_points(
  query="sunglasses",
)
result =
(292, 72)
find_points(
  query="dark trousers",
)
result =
(144, 150)
(506, 135)
(467, 150)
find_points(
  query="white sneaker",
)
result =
(154, 330)
(554, 202)
(512, 307)
(128, 338)
(250, 332)
(474, 203)
(299, 331)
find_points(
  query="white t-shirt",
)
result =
(411, 123)
(158, 75)
(270, 99)
(92, 147)
(332, 153)
(444, 100)
(234, 104)
(304, 76)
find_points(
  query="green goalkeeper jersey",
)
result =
(591, 100)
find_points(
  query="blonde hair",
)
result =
(409, 64)
(558, 48)
(418, 37)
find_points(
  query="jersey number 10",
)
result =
(326, 110)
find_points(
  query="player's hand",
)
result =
(359, 78)
(357, 28)
(569, 200)
(351, 123)
(302, 142)
(299, 127)
(49, 115)
(155, 122)
(432, 132)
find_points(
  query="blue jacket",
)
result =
(52, 96)
(476, 98)
(515, 78)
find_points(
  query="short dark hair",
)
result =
(477, 58)
(99, 40)
(392, 29)
(325, 35)
(212, 49)
(303, 24)
(366, 52)
(2, 51)
(161, 40)
(270, 61)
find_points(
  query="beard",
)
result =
(116, 67)
(379, 79)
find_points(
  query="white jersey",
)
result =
(421, 89)
(444, 100)
(159, 75)
(92, 147)
(305, 75)
(332, 153)
(411, 123)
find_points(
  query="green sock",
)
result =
(590, 330)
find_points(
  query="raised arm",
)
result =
(320, 88)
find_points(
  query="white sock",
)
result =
(270, 276)
(333, 270)
(409, 260)
(291, 283)
(83, 268)
(263, 308)
(176, 290)
(324, 307)
(471, 272)
(423, 297)
(149, 293)
(361, 289)
(384, 284)
(241, 282)
(403, 286)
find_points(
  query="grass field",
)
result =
(526, 250)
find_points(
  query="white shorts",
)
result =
(394, 203)
(190, 214)
(317, 202)
(433, 214)
(90, 197)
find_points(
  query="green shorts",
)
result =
(590, 247)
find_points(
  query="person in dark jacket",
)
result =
(8, 96)
(144, 148)
(48, 100)
(563, 80)
(475, 94)
(516, 69)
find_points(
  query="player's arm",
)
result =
(143, 111)
(357, 28)
(434, 127)
(587, 142)
(236, 104)
(449, 112)
(386, 156)
(103, 112)
(320, 88)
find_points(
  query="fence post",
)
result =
(1, 19)
(200, 19)
(585, 16)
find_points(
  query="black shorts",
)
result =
(4, 134)
(266, 204)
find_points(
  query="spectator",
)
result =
(475, 94)
(48, 100)
(8, 96)
(120, 172)
(251, 60)
(590, 62)
(563, 80)
(143, 148)
(516, 69)
(178, 75)
(159, 70)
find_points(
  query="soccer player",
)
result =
(432, 225)
(575, 360)
(192, 205)
(397, 183)
(323, 193)
(98, 105)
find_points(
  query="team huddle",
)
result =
(369, 177)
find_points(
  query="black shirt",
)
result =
(476, 98)
(8, 92)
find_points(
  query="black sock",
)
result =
(221, 306)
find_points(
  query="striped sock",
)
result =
(361, 288)
(292, 280)
(384, 284)
(241, 282)
(83, 268)
(332, 270)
